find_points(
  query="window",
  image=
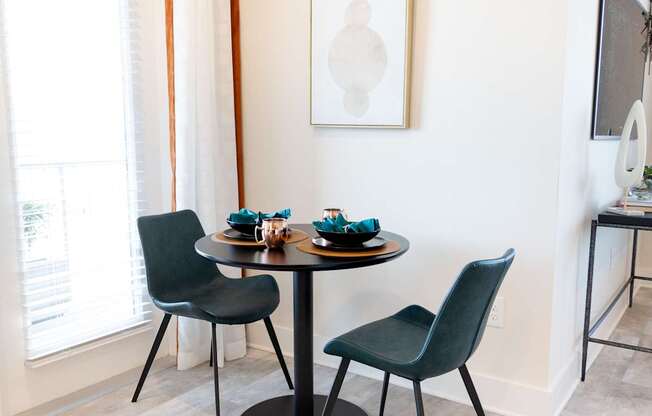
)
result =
(71, 73)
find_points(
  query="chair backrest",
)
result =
(171, 263)
(458, 327)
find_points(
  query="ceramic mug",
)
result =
(332, 213)
(274, 232)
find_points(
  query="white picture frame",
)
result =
(360, 58)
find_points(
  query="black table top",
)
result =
(607, 219)
(290, 258)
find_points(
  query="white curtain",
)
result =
(206, 153)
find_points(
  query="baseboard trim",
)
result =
(61, 405)
(567, 381)
(645, 272)
(500, 396)
(564, 385)
(524, 400)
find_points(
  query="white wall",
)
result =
(3, 386)
(476, 174)
(22, 388)
(4, 185)
(499, 155)
(645, 262)
(586, 187)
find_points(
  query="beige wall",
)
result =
(499, 155)
(477, 173)
(586, 187)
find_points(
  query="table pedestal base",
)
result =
(284, 406)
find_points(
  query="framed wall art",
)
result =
(360, 63)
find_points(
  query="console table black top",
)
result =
(608, 219)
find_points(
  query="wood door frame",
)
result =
(237, 96)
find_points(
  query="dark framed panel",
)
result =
(620, 66)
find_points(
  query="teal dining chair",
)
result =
(183, 283)
(417, 345)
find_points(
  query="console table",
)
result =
(611, 220)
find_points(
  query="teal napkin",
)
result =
(247, 216)
(341, 225)
(365, 226)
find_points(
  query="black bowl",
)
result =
(348, 239)
(248, 229)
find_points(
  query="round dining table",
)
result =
(290, 259)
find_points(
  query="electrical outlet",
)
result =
(497, 314)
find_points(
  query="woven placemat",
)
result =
(295, 237)
(308, 247)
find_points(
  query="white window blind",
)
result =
(71, 71)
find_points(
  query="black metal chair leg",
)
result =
(470, 388)
(152, 355)
(215, 370)
(279, 353)
(210, 359)
(337, 385)
(383, 397)
(418, 397)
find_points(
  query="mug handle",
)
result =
(258, 227)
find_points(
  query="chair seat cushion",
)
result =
(390, 344)
(225, 301)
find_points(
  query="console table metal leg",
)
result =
(633, 270)
(587, 307)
